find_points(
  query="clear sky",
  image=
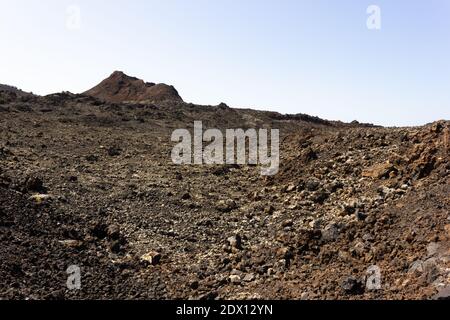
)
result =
(312, 56)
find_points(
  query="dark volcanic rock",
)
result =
(352, 286)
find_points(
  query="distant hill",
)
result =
(11, 89)
(119, 87)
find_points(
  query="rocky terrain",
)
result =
(88, 180)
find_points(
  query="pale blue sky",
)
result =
(315, 56)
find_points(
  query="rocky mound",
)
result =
(9, 94)
(120, 87)
(7, 88)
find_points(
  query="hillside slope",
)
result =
(91, 183)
